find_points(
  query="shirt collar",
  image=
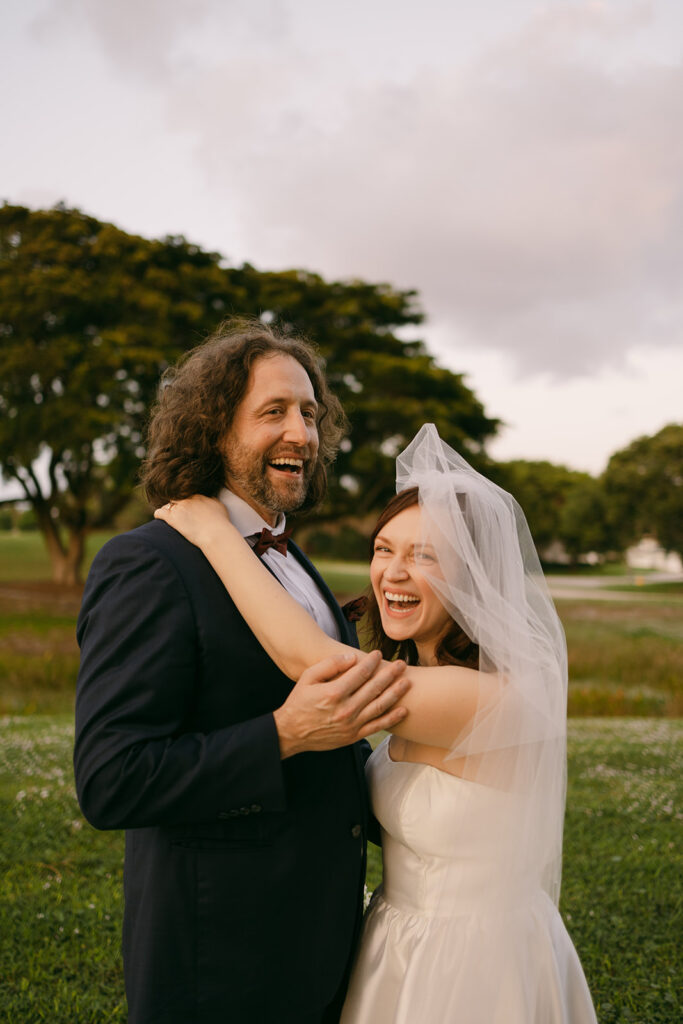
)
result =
(246, 519)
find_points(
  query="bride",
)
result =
(469, 789)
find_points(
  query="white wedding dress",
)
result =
(451, 936)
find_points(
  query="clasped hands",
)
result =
(340, 700)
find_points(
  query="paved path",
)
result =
(596, 588)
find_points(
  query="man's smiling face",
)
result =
(271, 448)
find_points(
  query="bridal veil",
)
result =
(488, 576)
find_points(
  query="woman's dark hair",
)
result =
(197, 402)
(453, 648)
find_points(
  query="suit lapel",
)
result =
(346, 632)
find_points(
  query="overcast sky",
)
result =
(520, 163)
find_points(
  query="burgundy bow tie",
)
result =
(266, 540)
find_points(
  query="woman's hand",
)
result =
(199, 519)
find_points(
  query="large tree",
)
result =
(543, 490)
(585, 524)
(644, 487)
(89, 318)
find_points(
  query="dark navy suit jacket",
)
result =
(243, 873)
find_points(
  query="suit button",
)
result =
(256, 808)
(244, 810)
(356, 831)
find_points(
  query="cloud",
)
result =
(535, 197)
(532, 193)
(157, 40)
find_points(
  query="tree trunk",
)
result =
(66, 560)
(66, 564)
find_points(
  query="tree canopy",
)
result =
(90, 316)
(584, 524)
(644, 487)
(640, 493)
(542, 489)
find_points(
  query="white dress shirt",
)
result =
(288, 570)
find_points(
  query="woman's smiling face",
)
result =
(409, 608)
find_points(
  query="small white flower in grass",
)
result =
(21, 795)
(40, 916)
(46, 885)
(367, 896)
(92, 906)
(77, 931)
(76, 824)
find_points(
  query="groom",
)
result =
(242, 795)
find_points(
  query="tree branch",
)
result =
(14, 473)
(38, 497)
(52, 472)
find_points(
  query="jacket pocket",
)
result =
(238, 833)
(210, 843)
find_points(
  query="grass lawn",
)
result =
(60, 893)
(601, 569)
(60, 889)
(23, 556)
(675, 587)
(346, 579)
(60, 900)
(625, 656)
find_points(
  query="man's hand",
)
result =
(340, 700)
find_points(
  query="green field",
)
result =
(625, 657)
(60, 906)
(23, 556)
(61, 903)
(625, 654)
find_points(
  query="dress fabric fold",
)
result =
(450, 936)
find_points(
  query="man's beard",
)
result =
(250, 472)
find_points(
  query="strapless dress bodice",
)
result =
(438, 838)
(456, 934)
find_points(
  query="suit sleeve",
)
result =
(135, 765)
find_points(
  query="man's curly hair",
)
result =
(197, 402)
